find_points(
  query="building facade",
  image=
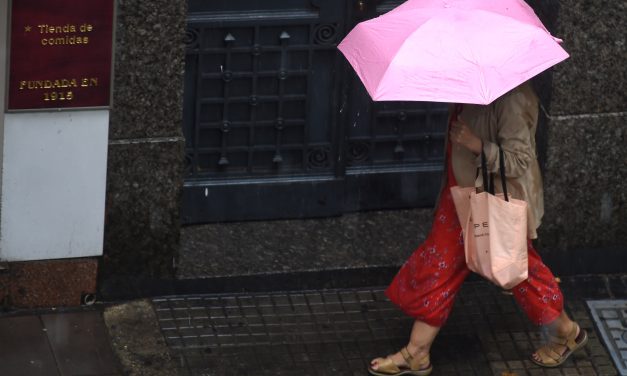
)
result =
(237, 111)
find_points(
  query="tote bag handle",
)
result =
(488, 179)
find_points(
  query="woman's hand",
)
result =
(462, 135)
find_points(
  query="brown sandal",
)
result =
(549, 355)
(417, 367)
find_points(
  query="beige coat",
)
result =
(510, 121)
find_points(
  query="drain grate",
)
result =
(611, 319)
(244, 320)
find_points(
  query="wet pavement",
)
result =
(308, 332)
(336, 332)
(56, 344)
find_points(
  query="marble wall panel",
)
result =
(585, 182)
(148, 82)
(142, 224)
(593, 79)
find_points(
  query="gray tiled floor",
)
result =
(336, 332)
(60, 344)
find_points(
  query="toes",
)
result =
(536, 357)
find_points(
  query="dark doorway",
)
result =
(277, 125)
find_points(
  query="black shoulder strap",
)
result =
(488, 179)
(488, 182)
(502, 172)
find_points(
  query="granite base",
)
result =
(50, 283)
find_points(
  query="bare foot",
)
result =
(557, 350)
(556, 347)
(397, 358)
(408, 358)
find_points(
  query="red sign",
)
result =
(60, 54)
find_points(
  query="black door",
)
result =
(277, 125)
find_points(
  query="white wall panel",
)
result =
(53, 184)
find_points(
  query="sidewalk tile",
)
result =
(338, 331)
(80, 343)
(24, 348)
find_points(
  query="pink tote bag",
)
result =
(496, 240)
(495, 231)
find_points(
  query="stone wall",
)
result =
(582, 137)
(586, 132)
(146, 145)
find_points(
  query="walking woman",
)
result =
(426, 285)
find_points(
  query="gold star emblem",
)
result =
(27, 29)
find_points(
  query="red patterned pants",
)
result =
(426, 285)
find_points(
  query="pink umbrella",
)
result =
(517, 9)
(470, 51)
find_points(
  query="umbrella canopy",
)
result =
(469, 51)
(516, 9)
